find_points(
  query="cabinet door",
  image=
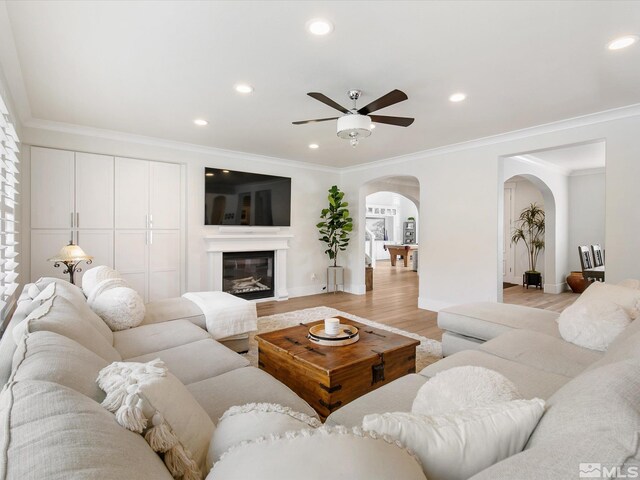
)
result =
(94, 191)
(132, 258)
(164, 265)
(165, 197)
(44, 245)
(132, 193)
(51, 188)
(98, 244)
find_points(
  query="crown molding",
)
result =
(171, 144)
(588, 171)
(575, 122)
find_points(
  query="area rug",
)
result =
(427, 352)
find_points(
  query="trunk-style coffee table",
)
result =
(330, 377)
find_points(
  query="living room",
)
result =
(132, 108)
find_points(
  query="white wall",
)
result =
(461, 190)
(586, 213)
(309, 187)
(525, 194)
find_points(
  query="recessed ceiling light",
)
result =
(209, 174)
(225, 171)
(457, 97)
(622, 42)
(243, 88)
(314, 146)
(200, 122)
(319, 26)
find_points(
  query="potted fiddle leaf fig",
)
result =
(335, 230)
(530, 230)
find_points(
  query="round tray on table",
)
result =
(346, 335)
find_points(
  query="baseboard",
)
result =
(555, 287)
(432, 305)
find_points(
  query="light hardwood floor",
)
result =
(394, 301)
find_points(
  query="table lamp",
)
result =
(71, 255)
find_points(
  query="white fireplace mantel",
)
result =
(249, 241)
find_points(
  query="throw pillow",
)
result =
(627, 298)
(94, 276)
(456, 446)
(33, 291)
(120, 308)
(630, 283)
(593, 324)
(147, 399)
(318, 454)
(103, 286)
(253, 420)
(463, 387)
(46, 293)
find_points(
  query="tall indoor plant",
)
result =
(530, 230)
(335, 229)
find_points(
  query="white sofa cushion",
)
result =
(458, 445)
(53, 432)
(463, 387)
(148, 399)
(630, 283)
(627, 298)
(120, 308)
(74, 295)
(55, 358)
(254, 420)
(59, 316)
(593, 324)
(317, 454)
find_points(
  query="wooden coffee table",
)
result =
(330, 377)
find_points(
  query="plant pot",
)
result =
(577, 283)
(335, 278)
(533, 279)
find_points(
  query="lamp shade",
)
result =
(71, 253)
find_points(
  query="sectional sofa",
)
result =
(54, 427)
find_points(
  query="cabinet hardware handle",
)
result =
(72, 222)
(78, 219)
(150, 237)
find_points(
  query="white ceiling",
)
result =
(150, 68)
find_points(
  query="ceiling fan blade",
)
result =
(302, 122)
(327, 101)
(391, 98)
(398, 121)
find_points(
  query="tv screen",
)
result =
(241, 198)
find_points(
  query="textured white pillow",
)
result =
(325, 453)
(103, 286)
(33, 291)
(21, 328)
(630, 283)
(46, 293)
(147, 399)
(253, 420)
(120, 308)
(593, 325)
(456, 446)
(463, 387)
(627, 298)
(94, 276)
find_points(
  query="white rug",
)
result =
(427, 352)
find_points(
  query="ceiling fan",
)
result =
(357, 123)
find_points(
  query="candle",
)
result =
(332, 326)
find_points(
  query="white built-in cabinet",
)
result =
(126, 213)
(147, 226)
(71, 200)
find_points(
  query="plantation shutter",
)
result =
(9, 160)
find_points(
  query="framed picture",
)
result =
(376, 226)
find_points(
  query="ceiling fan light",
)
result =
(354, 126)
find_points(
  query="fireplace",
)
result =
(248, 275)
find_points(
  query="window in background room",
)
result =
(8, 207)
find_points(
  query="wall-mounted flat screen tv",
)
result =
(241, 198)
